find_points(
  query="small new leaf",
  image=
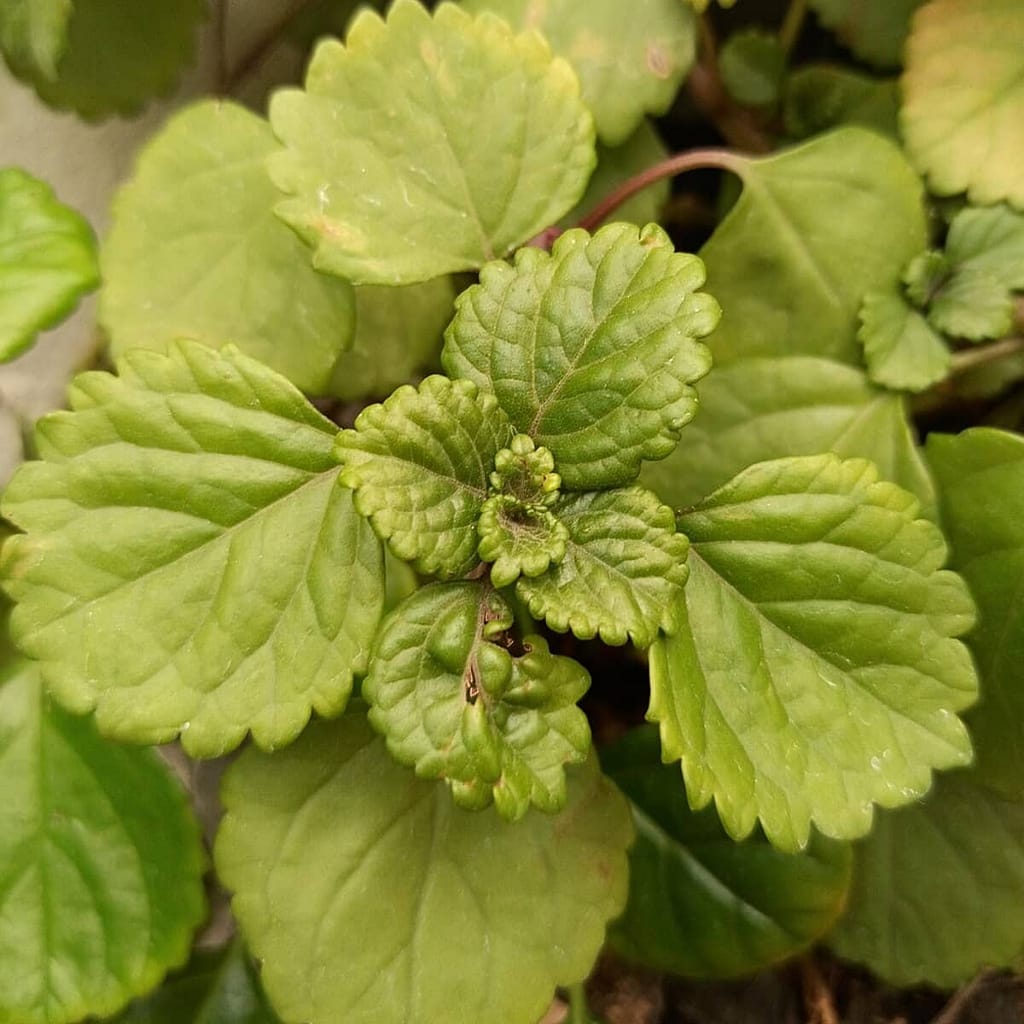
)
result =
(33, 34)
(816, 673)
(817, 97)
(753, 65)
(190, 564)
(900, 348)
(592, 349)
(518, 539)
(989, 240)
(973, 305)
(455, 702)
(420, 465)
(623, 571)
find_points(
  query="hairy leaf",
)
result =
(875, 30)
(33, 34)
(630, 62)
(981, 486)
(384, 183)
(623, 571)
(455, 702)
(481, 914)
(900, 348)
(753, 65)
(816, 673)
(700, 903)
(518, 540)
(100, 864)
(196, 252)
(47, 260)
(190, 564)
(936, 888)
(592, 349)
(420, 465)
(819, 96)
(963, 93)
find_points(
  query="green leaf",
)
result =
(592, 349)
(900, 348)
(398, 332)
(701, 904)
(936, 889)
(518, 540)
(101, 864)
(454, 702)
(963, 92)
(196, 252)
(33, 34)
(420, 466)
(981, 485)
(629, 64)
(816, 673)
(989, 240)
(385, 184)
(623, 571)
(477, 914)
(47, 260)
(875, 30)
(112, 61)
(190, 564)
(818, 97)
(924, 275)
(753, 64)
(973, 305)
(219, 987)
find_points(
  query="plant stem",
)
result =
(579, 1012)
(951, 1012)
(265, 45)
(792, 25)
(968, 359)
(817, 995)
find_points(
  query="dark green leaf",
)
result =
(753, 64)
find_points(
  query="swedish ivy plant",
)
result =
(427, 443)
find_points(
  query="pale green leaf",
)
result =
(101, 864)
(702, 5)
(371, 898)
(753, 63)
(981, 486)
(924, 275)
(33, 34)
(875, 30)
(630, 62)
(816, 673)
(458, 698)
(936, 888)
(398, 332)
(819, 96)
(592, 350)
(518, 539)
(428, 144)
(973, 305)
(420, 465)
(700, 903)
(190, 564)
(47, 260)
(623, 571)
(990, 240)
(963, 98)
(900, 348)
(196, 252)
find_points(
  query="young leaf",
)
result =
(981, 486)
(816, 672)
(592, 349)
(629, 65)
(875, 30)
(47, 260)
(819, 96)
(190, 564)
(988, 240)
(420, 466)
(453, 701)
(518, 540)
(33, 34)
(700, 903)
(196, 252)
(753, 64)
(900, 348)
(963, 93)
(623, 570)
(936, 888)
(478, 913)
(973, 305)
(384, 184)
(101, 864)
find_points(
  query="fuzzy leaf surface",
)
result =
(875, 30)
(980, 474)
(386, 186)
(33, 34)
(629, 66)
(963, 97)
(101, 864)
(196, 252)
(453, 701)
(936, 888)
(47, 260)
(816, 673)
(189, 563)
(623, 571)
(487, 916)
(420, 465)
(592, 350)
(901, 349)
(701, 904)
